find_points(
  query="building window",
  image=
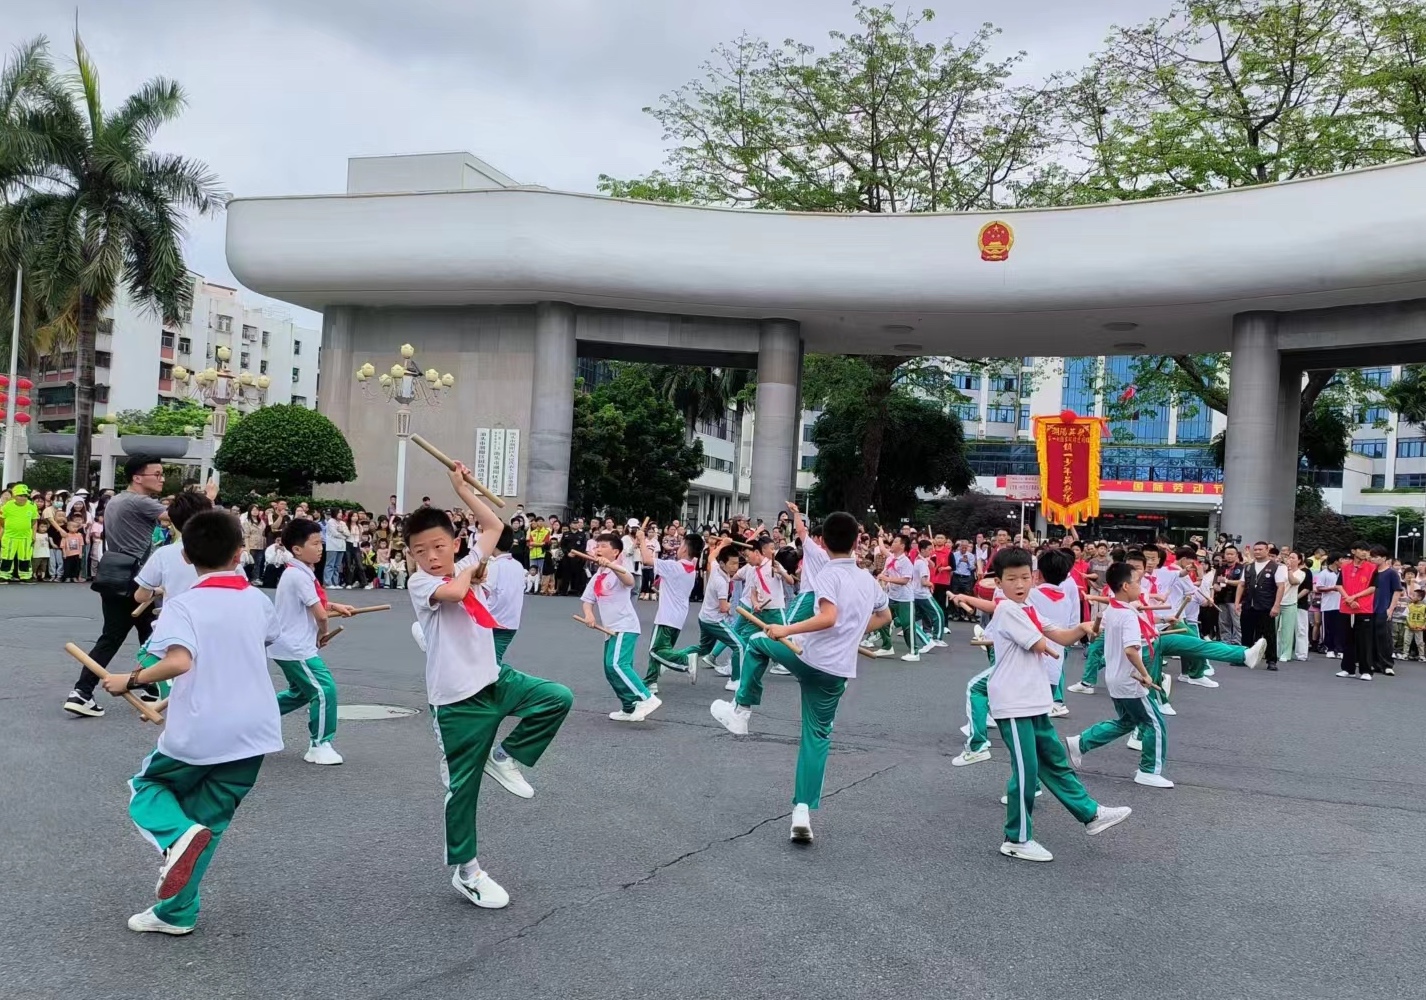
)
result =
(296, 375)
(225, 324)
(1411, 448)
(185, 345)
(106, 325)
(1373, 415)
(166, 341)
(1000, 415)
(1378, 378)
(243, 361)
(808, 461)
(1003, 383)
(1195, 424)
(1370, 447)
(250, 334)
(968, 412)
(267, 336)
(101, 394)
(592, 372)
(807, 432)
(1024, 418)
(66, 360)
(966, 383)
(714, 428)
(1077, 385)
(299, 400)
(717, 464)
(1410, 480)
(103, 359)
(262, 367)
(296, 346)
(1378, 481)
(1027, 362)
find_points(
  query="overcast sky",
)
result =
(549, 91)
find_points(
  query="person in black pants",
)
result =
(1384, 602)
(1259, 599)
(1358, 587)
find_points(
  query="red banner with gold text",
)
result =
(1068, 447)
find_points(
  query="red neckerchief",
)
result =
(1053, 593)
(600, 579)
(1147, 632)
(321, 591)
(223, 581)
(1034, 618)
(478, 612)
(758, 572)
(688, 567)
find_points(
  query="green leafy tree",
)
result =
(629, 450)
(1407, 395)
(924, 450)
(95, 208)
(885, 120)
(290, 445)
(169, 421)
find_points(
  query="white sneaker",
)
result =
(1134, 743)
(644, 709)
(1080, 689)
(1152, 780)
(801, 824)
(1202, 682)
(721, 669)
(482, 890)
(1076, 755)
(882, 653)
(179, 860)
(732, 685)
(1005, 799)
(1255, 652)
(1059, 710)
(653, 688)
(1028, 851)
(1303, 659)
(911, 658)
(968, 757)
(733, 717)
(622, 716)
(1365, 677)
(693, 669)
(977, 633)
(507, 772)
(322, 753)
(418, 635)
(1343, 673)
(1208, 671)
(1167, 709)
(1106, 817)
(938, 644)
(779, 670)
(148, 923)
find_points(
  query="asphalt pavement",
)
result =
(653, 861)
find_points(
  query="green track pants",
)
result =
(1140, 714)
(310, 683)
(1037, 757)
(662, 653)
(503, 638)
(929, 614)
(619, 669)
(710, 634)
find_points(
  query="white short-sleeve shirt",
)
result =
(225, 707)
(1331, 599)
(676, 578)
(460, 652)
(1019, 686)
(167, 570)
(921, 580)
(504, 590)
(614, 599)
(296, 595)
(855, 592)
(762, 580)
(1121, 630)
(1057, 605)
(900, 566)
(715, 591)
(814, 558)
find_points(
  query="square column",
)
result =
(551, 410)
(778, 418)
(1252, 468)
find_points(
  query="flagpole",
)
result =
(11, 471)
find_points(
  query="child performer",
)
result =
(222, 717)
(469, 690)
(612, 590)
(928, 610)
(1192, 589)
(1020, 702)
(898, 576)
(676, 578)
(166, 570)
(717, 607)
(302, 613)
(1127, 635)
(847, 600)
(1056, 599)
(504, 592)
(762, 593)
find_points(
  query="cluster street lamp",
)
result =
(219, 388)
(403, 385)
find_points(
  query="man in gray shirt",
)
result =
(129, 520)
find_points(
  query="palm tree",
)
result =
(698, 393)
(97, 208)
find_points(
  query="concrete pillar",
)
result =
(1285, 456)
(551, 410)
(775, 436)
(1250, 471)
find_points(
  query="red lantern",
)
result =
(22, 401)
(25, 384)
(22, 418)
(4, 381)
(3, 397)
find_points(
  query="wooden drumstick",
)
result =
(593, 625)
(367, 611)
(754, 619)
(449, 463)
(863, 651)
(147, 711)
(328, 637)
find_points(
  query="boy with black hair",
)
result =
(849, 605)
(675, 578)
(899, 577)
(1358, 589)
(612, 591)
(469, 690)
(1128, 636)
(504, 591)
(302, 615)
(1094, 652)
(1387, 594)
(714, 627)
(1020, 702)
(1056, 599)
(1189, 590)
(927, 609)
(222, 718)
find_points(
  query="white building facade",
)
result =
(136, 352)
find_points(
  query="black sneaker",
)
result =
(80, 705)
(148, 696)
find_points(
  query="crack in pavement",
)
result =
(484, 951)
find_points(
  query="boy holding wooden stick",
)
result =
(611, 590)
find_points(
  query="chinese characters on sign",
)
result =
(1068, 448)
